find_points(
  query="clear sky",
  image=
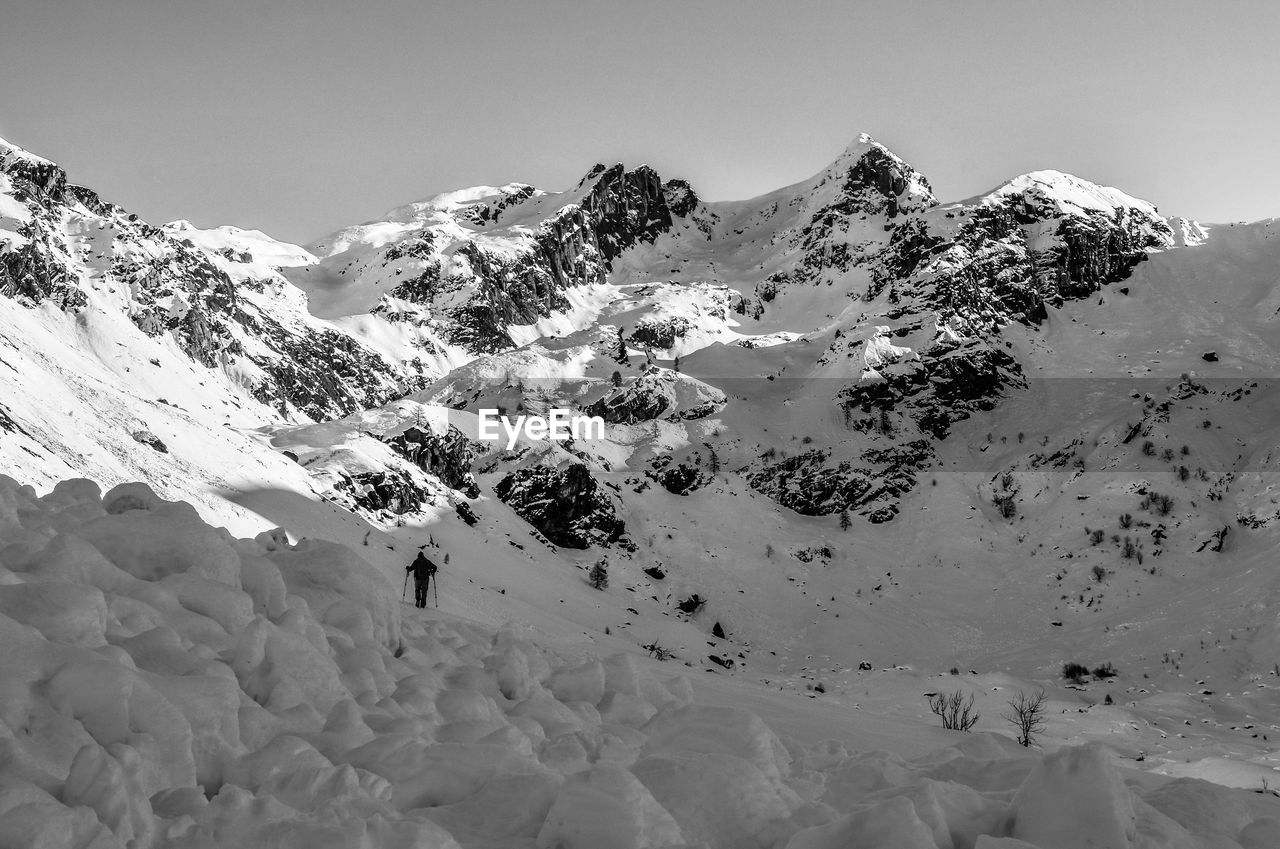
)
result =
(300, 117)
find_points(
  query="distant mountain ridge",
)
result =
(857, 274)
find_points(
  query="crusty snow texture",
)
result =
(163, 684)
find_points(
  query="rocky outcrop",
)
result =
(815, 484)
(448, 457)
(566, 505)
(625, 208)
(392, 491)
(149, 439)
(660, 335)
(680, 197)
(678, 478)
(483, 214)
(629, 405)
(657, 393)
(31, 275)
(1003, 259)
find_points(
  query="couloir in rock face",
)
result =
(567, 505)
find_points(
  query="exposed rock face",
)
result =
(217, 306)
(326, 373)
(1042, 237)
(868, 182)
(448, 457)
(392, 491)
(947, 279)
(680, 197)
(660, 335)
(811, 485)
(479, 298)
(945, 385)
(657, 393)
(496, 290)
(629, 404)
(677, 478)
(626, 207)
(149, 439)
(489, 213)
(567, 505)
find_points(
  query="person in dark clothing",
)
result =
(423, 571)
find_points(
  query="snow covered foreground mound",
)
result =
(163, 684)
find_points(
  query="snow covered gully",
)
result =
(163, 684)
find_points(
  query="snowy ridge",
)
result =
(1066, 193)
(256, 244)
(168, 685)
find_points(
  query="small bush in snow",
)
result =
(1026, 715)
(954, 709)
(1006, 505)
(1074, 672)
(657, 651)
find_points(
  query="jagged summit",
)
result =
(233, 242)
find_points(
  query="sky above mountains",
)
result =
(300, 117)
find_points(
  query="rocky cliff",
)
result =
(61, 244)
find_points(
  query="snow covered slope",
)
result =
(846, 424)
(169, 685)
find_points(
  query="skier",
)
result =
(423, 571)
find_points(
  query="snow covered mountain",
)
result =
(999, 434)
(878, 305)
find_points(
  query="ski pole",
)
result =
(435, 587)
(404, 596)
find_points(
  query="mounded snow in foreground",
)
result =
(164, 684)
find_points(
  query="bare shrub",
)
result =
(954, 709)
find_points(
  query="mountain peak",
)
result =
(10, 150)
(1067, 192)
(868, 163)
(859, 146)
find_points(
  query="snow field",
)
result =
(167, 685)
